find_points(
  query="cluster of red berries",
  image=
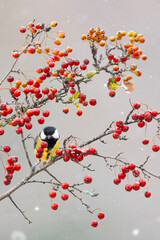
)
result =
(121, 127)
(11, 166)
(142, 118)
(25, 120)
(75, 153)
(135, 186)
(101, 216)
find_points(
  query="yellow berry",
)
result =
(57, 41)
(83, 37)
(53, 24)
(61, 34)
(102, 43)
(112, 38)
(38, 50)
(24, 84)
(47, 49)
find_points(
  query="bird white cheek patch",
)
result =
(56, 134)
(42, 136)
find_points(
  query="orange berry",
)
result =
(135, 48)
(129, 77)
(125, 79)
(55, 51)
(140, 51)
(18, 82)
(61, 53)
(115, 67)
(39, 80)
(55, 74)
(144, 57)
(98, 32)
(126, 45)
(47, 49)
(130, 50)
(24, 84)
(65, 73)
(49, 60)
(69, 49)
(57, 41)
(30, 24)
(123, 33)
(53, 24)
(102, 43)
(38, 50)
(83, 37)
(61, 35)
(88, 37)
(133, 66)
(142, 40)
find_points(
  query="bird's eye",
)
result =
(43, 136)
(56, 134)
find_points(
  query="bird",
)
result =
(50, 135)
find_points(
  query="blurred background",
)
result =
(128, 215)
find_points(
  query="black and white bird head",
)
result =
(50, 135)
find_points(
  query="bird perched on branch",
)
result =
(51, 136)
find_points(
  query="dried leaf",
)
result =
(76, 95)
(112, 84)
(128, 86)
(90, 74)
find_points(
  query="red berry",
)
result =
(117, 180)
(145, 141)
(17, 93)
(148, 116)
(46, 113)
(110, 56)
(6, 148)
(17, 167)
(135, 116)
(9, 168)
(117, 78)
(136, 173)
(112, 93)
(123, 58)
(119, 124)
(83, 67)
(31, 50)
(92, 102)
(72, 90)
(121, 175)
(44, 144)
(101, 215)
(8, 176)
(64, 196)
(147, 194)
(54, 206)
(128, 187)
(76, 62)
(115, 135)
(6, 181)
(87, 179)
(52, 194)
(12, 159)
(118, 130)
(19, 130)
(155, 148)
(64, 65)
(79, 112)
(10, 79)
(3, 106)
(28, 125)
(86, 61)
(41, 120)
(66, 158)
(142, 182)
(1, 131)
(141, 124)
(125, 128)
(131, 166)
(30, 81)
(92, 150)
(65, 185)
(40, 150)
(15, 54)
(136, 105)
(136, 186)
(125, 169)
(154, 113)
(59, 152)
(45, 90)
(94, 224)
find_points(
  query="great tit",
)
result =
(51, 136)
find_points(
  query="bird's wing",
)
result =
(35, 141)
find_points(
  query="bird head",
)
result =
(49, 133)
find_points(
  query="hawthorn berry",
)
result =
(6, 148)
(52, 194)
(101, 215)
(79, 112)
(15, 54)
(155, 148)
(136, 105)
(31, 50)
(125, 128)
(28, 125)
(92, 102)
(6, 181)
(66, 158)
(9, 176)
(128, 187)
(1, 131)
(119, 124)
(17, 167)
(44, 144)
(65, 185)
(83, 67)
(65, 110)
(54, 206)
(131, 166)
(41, 120)
(92, 150)
(46, 113)
(142, 182)
(115, 135)
(136, 186)
(147, 194)
(59, 152)
(45, 90)
(121, 175)
(154, 113)
(10, 79)
(117, 180)
(94, 224)
(87, 179)
(141, 124)
(125, 169)
(145, 141)
(86, 61)
(136, 173)
(19, 130)
(64, 196)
